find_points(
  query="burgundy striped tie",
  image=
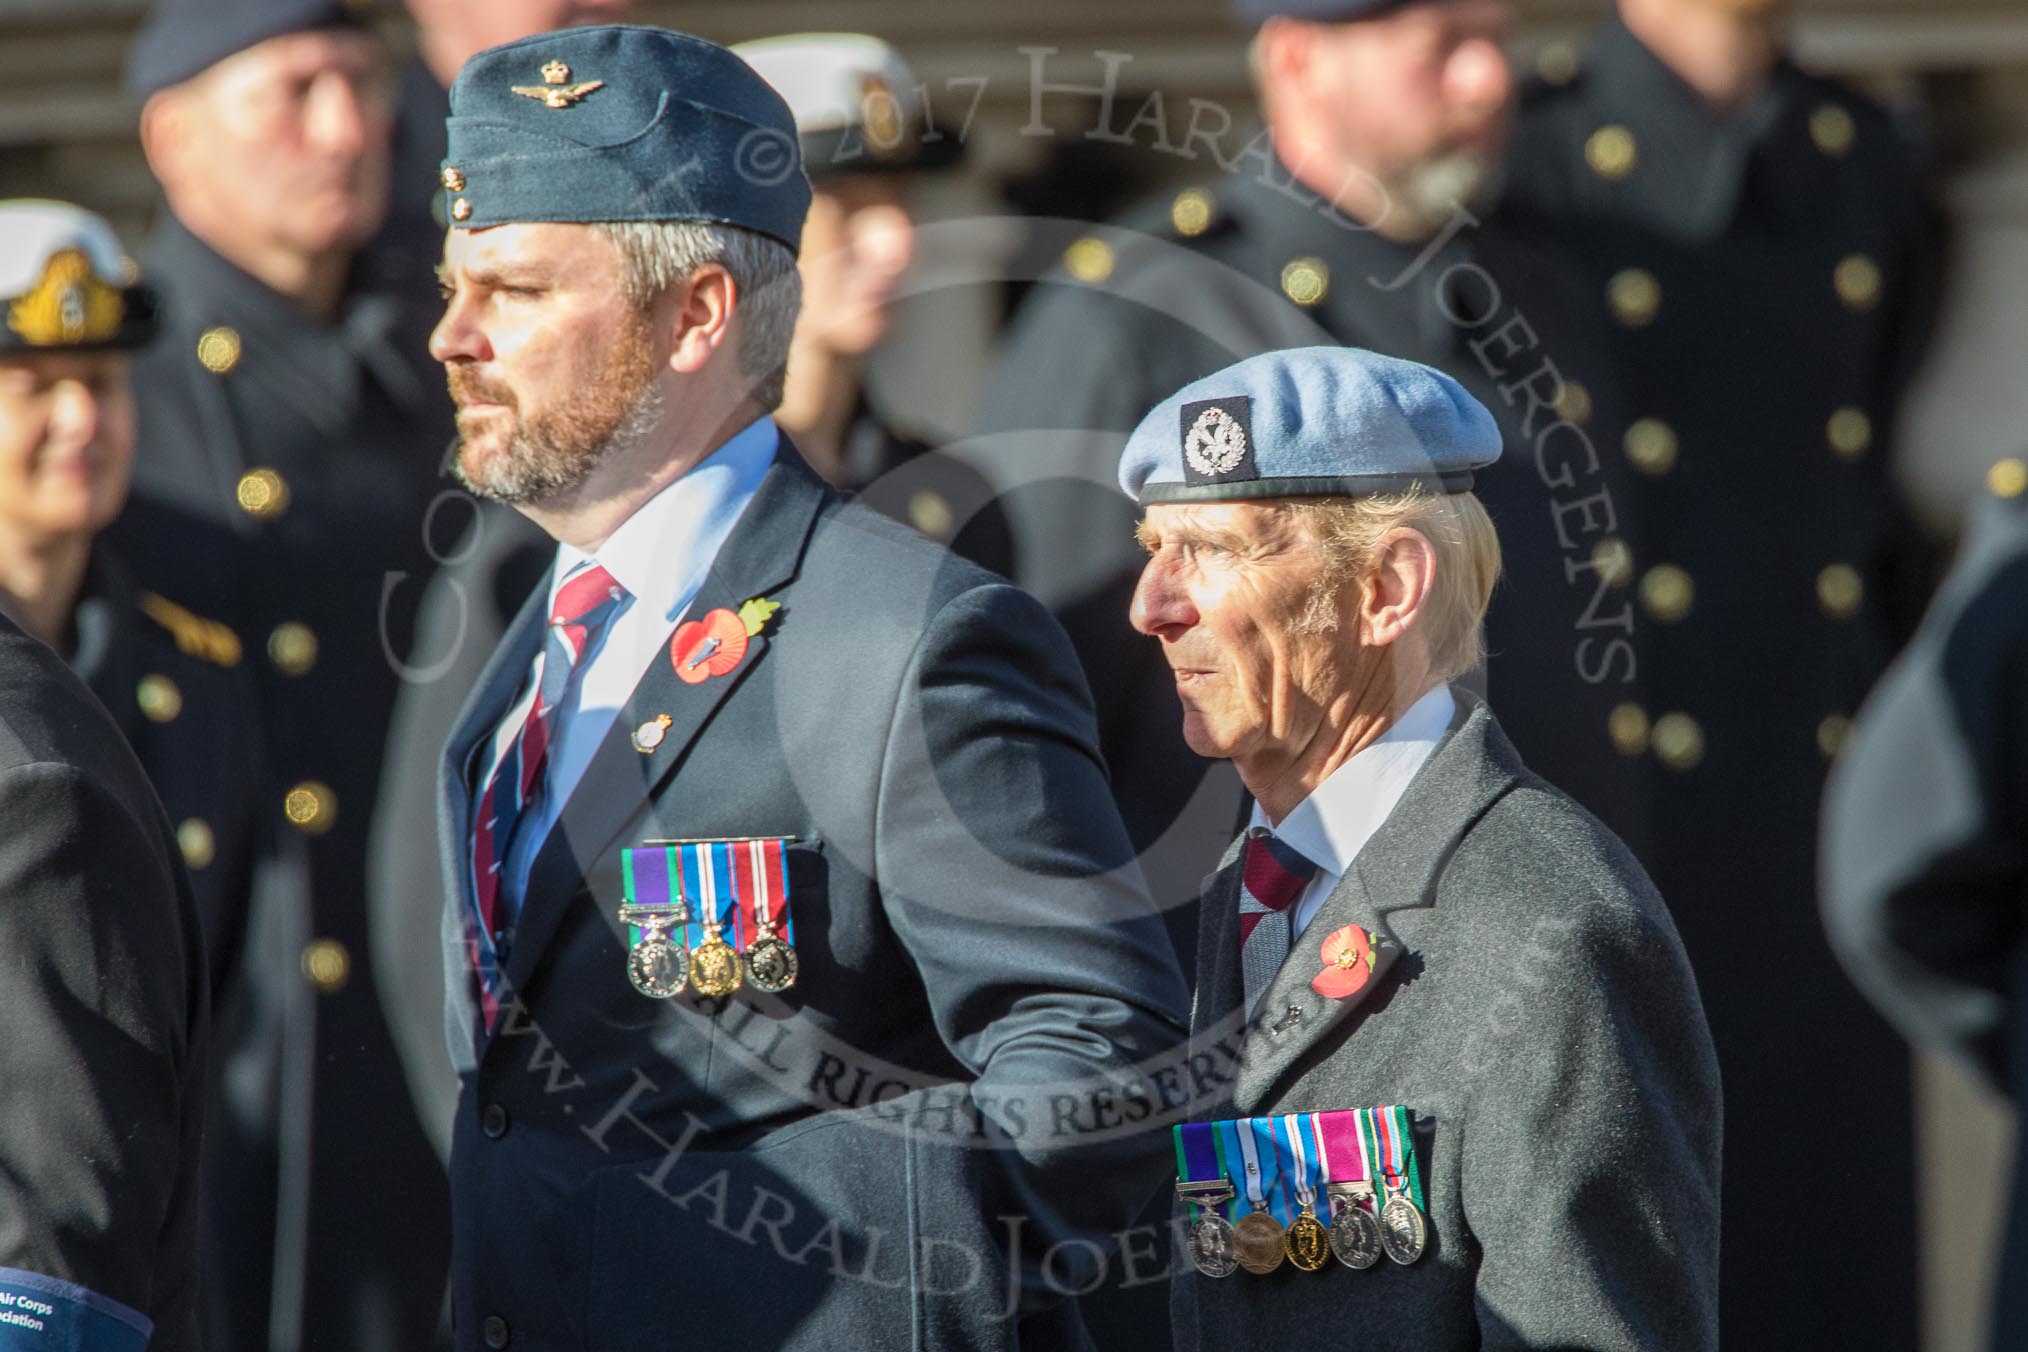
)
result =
(1272, 876)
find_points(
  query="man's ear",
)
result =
(700, 317)
(1399, 586)
(165, 129)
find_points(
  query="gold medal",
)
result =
(1403, 1232)
(1307, 1243)
(1257, 1243)
(714, 968)
(771, 964)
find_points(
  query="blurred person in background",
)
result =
(102, 1016)
(1925, 847)
(864, 140)
(448, 34)
(289, 446)
(1758, 240)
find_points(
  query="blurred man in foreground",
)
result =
(290, 441)
(1469, 1038)
(103, 1013)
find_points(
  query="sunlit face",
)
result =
(290, 140)
(551, 365)
(1228, 590)
(857, 242)
(1420, 97)
(66, 442)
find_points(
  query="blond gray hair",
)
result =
(656, 255)
(1349, 532)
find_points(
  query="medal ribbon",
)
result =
(761, 878)
(707, 876)
(1376, 1162)
(649, 877)
(1401, 1161)
(1243, 1142)
(1308, 1154)
(1199, 1159)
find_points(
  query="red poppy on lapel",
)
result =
(1348, 963)
(708, 647)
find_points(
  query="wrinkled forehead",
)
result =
(1268, 521)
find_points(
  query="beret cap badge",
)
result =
(556, 91)
(1215, 443)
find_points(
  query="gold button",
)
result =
(1832, 128)
(218, 349)
(194, 838)
(1635, 296)
(1611, 153)
(1573, 404)
(1668, 592)
(1628, 727)
(1832, 734)
(1613, 560)
(1679, 742)
(311, 807)
(1305, 280)
(327, 964)
(262, 493)
(1858, 281)
(1850, 432)
(1651, 446)
(461, 210)
(1556, 63)
(1839, 590)
(931, 514)
(159, 698)
(292, 647)
(1190, 213)
(2007, 478)
(453, 179)
(1089, 260)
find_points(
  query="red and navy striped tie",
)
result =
(1272, 876)
(585, 603)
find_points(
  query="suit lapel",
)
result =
(1399, 867)
(762, 553)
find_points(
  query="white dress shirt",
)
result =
(661, 555)
(1333, 824)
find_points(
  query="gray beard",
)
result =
(538, 468)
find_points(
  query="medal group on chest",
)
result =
(1360, 1164)
(709, 916)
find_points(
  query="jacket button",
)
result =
(494, 1331)
(494, 1123)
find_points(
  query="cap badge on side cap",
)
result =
(1217, 440)
(69, 304)
(556, 91)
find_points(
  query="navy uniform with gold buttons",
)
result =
(1766, 273)
(285, 463)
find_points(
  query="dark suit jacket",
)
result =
(102, 1008)
(879, 1157)
(1531, 1004)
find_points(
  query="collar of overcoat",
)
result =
(763, 552)
(1400, 867)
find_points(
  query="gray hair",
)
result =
(656, 255)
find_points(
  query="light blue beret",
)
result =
(621, 122)
(1310, 422)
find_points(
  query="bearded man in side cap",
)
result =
(783, 894)
(1413, 924)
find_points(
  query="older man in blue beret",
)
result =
(1475, 1103)
(797, 964)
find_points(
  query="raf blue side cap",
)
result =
(184, 38)
(621, 123)
(1310, 422)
